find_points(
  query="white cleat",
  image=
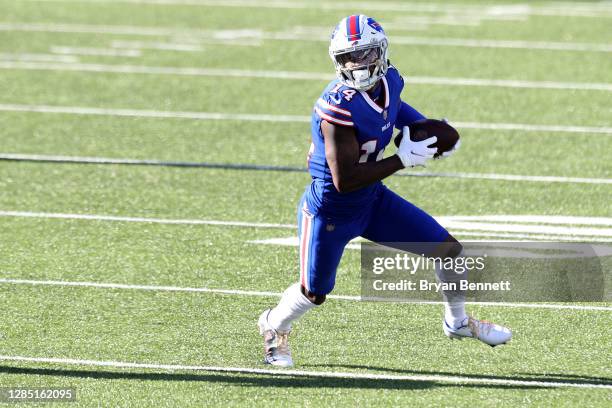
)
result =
(276, 345)
(487, 332)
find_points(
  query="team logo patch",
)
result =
(374, 24)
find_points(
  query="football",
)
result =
(423, 129)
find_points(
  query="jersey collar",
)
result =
(373, 104)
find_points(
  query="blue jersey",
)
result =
(373, 125)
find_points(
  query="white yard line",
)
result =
(451, 379)
(421, 22)
(107, 160)
(186, 71)
(70, 28)
(101, 285)
(575, 9)
(528, 237)
(535, 229)
(255, 35)
(460, 225)
(292, 75)
(105, 52)
(551, 227)
(28, 214)
(600, 9)
(509, 44)
(292, 241)
(457, 42)
(514, 177)
(494, 230)
(539, 219)
(507, 83)
(533, 128)
(239, 292)
(16, 58)
(501, 223)
(146, 113)
(156, 45)
(199, 45)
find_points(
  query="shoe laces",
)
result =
(477, 326)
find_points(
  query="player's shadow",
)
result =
(545, 377)
(252, 380)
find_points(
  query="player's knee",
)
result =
(316, 299)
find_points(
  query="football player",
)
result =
(352, 123)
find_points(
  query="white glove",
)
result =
(451, 151)
(415, 153)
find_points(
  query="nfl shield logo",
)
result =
(385, 115)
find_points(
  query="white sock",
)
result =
(292, 306)
(454, 308)
(454, 300)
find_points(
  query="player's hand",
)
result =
(415, 153)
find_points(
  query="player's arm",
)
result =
(342, 154)
(407, 115)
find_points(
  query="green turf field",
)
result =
(140, 285)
